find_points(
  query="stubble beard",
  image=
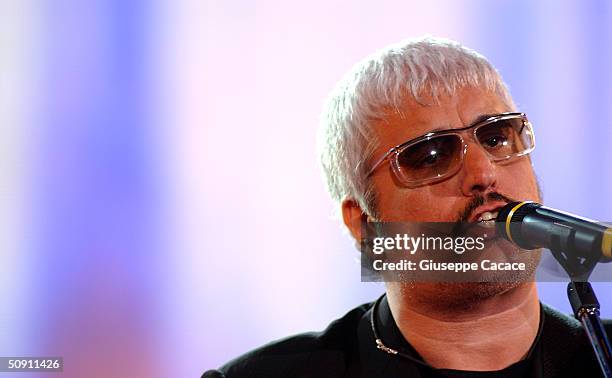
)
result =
(465, 296)
(446, 297)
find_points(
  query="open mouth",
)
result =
(483, 220)
(487, 219)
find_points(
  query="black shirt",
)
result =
(347, 348)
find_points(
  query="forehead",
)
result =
(450, 112)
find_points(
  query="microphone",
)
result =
(531, 225)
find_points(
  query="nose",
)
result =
(478, 174)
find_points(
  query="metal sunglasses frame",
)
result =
(394, 152)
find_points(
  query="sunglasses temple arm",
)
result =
(380, 161)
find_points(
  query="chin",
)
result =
(463, 296)
(455, 295)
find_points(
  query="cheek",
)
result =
(416, 205)
(518, 181)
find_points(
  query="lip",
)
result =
(491, 206)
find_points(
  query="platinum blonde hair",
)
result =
(422, 68)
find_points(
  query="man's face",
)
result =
(455, 198)
(447, 200)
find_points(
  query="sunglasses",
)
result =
(437, 155)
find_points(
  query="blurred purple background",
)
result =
(162, 207)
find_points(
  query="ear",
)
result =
(353, 217)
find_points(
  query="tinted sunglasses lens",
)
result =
(429, 159)
(506, 138)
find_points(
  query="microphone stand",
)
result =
(586, 310)
(586, 306)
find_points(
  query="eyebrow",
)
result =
(476, 120)
(482, 117)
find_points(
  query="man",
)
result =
(395, 99)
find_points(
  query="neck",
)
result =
(489, 334)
